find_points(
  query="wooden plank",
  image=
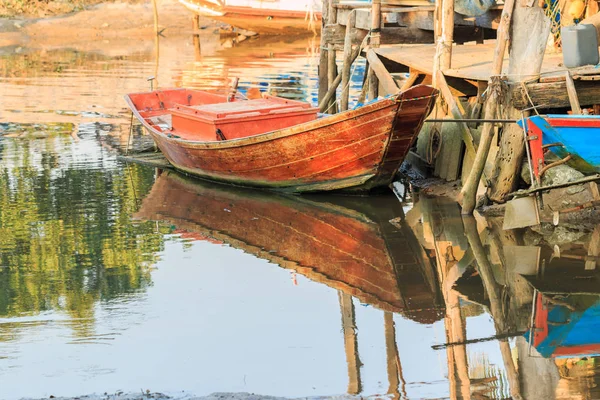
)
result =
(410, 81)
(572, 93)
(384, 77)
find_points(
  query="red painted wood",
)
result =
(360, 149)
(535, 148)
(574, 122)
(584, 349)
(540, 320)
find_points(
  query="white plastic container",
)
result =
(579, 45)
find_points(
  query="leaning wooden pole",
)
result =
(469, 190)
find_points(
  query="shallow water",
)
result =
(120, 277)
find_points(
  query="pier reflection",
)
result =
(541, 291)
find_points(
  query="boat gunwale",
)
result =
(267, 136)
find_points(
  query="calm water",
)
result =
(120, 277)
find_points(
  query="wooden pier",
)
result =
(478, 74)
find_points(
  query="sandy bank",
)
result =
(106, 21)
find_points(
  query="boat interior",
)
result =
(202, 116)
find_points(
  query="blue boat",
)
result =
(570, 328)
(577, 136)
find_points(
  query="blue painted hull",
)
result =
(580, 135)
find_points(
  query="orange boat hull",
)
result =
(358, 150)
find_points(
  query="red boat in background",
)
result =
(282, 144)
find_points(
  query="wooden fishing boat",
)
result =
(272, 17)
(571, 137)
(344, 242)
(281, 144)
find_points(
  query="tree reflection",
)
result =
(67, 240)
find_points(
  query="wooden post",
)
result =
(447, 37)
(350, 342)
(469, 190)
(347, 65)
(331, 62)
(374, 43)
(323, 54)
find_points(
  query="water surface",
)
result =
(122, 277)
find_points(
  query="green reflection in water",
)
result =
(67, 239)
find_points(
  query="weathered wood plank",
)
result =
(555, 94)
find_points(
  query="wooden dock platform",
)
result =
(472, 65)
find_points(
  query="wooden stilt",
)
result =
(347, 65)
(323, 55)
(374, 43)
(447, 36)
(331, 57)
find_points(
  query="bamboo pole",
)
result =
(347, 65)
(469, 190)
(374, 43)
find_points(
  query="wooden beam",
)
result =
(572, 93)
(410, 81)
(382, 74)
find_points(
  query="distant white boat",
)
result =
(267, 17)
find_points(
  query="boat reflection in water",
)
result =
(346, 243)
